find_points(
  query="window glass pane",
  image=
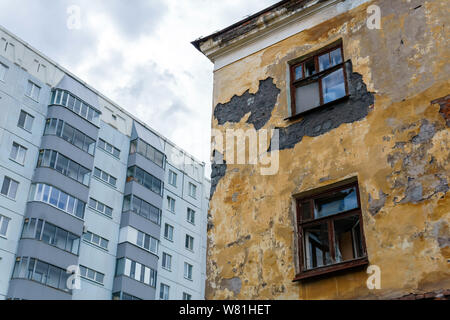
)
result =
(95, 239)
(78, 140)
(99, 277)
(49, 233)
(84, 109)
(333, 86)
(305, 209)
(91, 274)
(71, 205)
(73, 170)
(14, 151)
(54, 274)
(67, 133)
(41, 271)
(46, 193)
(104, 243)
(307, 97)
(310, 68)
(5, 186)
(62, 203)
(324, 62)
(347, 238)
(77, 106)
(22, 117)
(316, 246)
(64, 99)
(29, 88)
(54, 196)
(108, 211)
(71, 102)
(29, 122)
(335, 57)
(61, 238)
(112, 180)
(298, 72)
(339, 201)
(80, 209)
(4, 225)
(136, 204)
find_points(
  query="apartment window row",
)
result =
(62, 164)
(168, 232)
(102, 144)
(190, 216)
(123, 296)
(58, 199)
(9, 187)
(25, 121)
(172, 178)
(101, 207)
(144, 178)
(3, 70)
(148, 151)
(189, 242)
(136, 271)
(64, 98)
(106, 177)
(42, 272)
(91, 274)
(33, 90)
(317, 80)
(167, 261)
(188, 268)
(74, 136)
(142, 208)
(4, 222)
(18, 153)
(164, 291)
(192, 188)
(147, 242)
(44, 231)
(96, 240)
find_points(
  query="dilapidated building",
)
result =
(356, 94)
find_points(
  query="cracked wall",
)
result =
(396, 142)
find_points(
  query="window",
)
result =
(3, 70)
(70, 134)
(164, 292)
(25, 121)
(190, 215)
(18, 153)
(9, 187)
(136, 271)
(102, 144)
(84, 110)
(65, 166)
(91, 274)
(57, 198)
(142, 208)
(168, 232)
(96, 240)
(102, 208)
(192, 190)
(187, 296)
(167, 261)
(330, 231)
(188, 271)
(49, 233)
(144, 178)
(171, 204)
(4, 222)
(172, 178)
(106, 177)
(189, 243)
(36, 270)
(148, 151)
(33, 91)
(317, 80)
(147, 242)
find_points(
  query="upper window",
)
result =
(25, 121)
(190, 216)
(3, 70)
(33, 91)
(189, 242)
(4, 221)
(148, 151)
(168, 232)
(188, 271)
(102, 144)
(171, 204)
(187, 296)
(164, 292)
(172, 178)
(9, 187)
(106, 177)
(192, 190)
(18, 153)
(91, 274)
(330, 231)
(167, 261)
(318, 80)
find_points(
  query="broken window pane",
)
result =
(316, 246)
(307, 97)
(299, 72)
(333, 86)
(310, 68)
(347, 239)
(339, 201)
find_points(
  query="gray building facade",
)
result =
(84, 193)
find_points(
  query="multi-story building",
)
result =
(86, 188)
(355, 96)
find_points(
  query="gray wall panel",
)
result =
(73, 119)
(140, 223)
(68, 150)
(134, 288)
(32, 290)
(47, 253)
(126, 249)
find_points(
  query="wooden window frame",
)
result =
(316, 77)
(302, 223)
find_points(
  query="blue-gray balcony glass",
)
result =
(66, 99)
(146, 150)
(142, 208)
(136, 271)
(144, 178)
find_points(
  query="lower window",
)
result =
(330, 236)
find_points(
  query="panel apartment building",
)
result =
(86, 187)
(361, 192)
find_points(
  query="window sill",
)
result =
(37, 101)
(302, 114)
(331, 269)
(17, 162)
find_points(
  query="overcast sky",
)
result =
(138, 53)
